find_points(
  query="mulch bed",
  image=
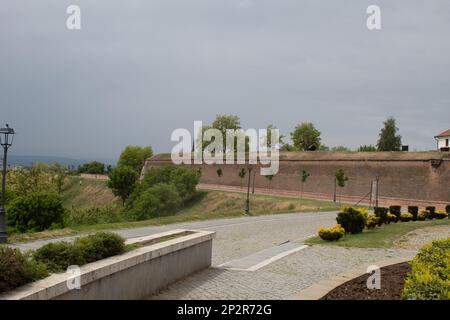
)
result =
(392, 281)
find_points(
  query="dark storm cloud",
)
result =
(139, 69)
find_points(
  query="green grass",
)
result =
(380, 237)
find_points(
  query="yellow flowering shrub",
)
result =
(332, 234)
(405, 217)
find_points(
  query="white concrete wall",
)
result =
(442, 142)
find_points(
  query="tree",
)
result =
(241, 174)
(268, 141)
(219, 172)
(304, 175)
(93, 167)
(122, 181)
(134, 157)
(306, 137)
(340, 180)
(389, 139)
(367, 148)
(59, 173)
(270, 178)
(340, 149)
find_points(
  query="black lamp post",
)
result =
(6, 140)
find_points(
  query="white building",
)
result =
(442, 139)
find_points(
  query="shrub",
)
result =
(405, 217)
(430, 273)
(36, 212)
(85, 216)
(184, 179)
(99, 246)
(159, 200)
(332, 234)
(447, 209)
(432, 212)
(372, 222)
(60, 255)
(17, 268)
(414, 210)
(381, 213)
(423, 214)
(441, 215)
(392, 218)
(352, 220)
(397, 210)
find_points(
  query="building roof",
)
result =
(444, 134)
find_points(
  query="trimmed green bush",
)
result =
(423, 214)
(381, 213)
(441, 215)
(372, 222)
(430, 273)
(160, 200)
(392, 218)
(397, 210)
(405, 217)
(447, 209)
(17, 268)
(36, 212)
(414, 210)
(332, 234)
(432, 212)
(58, 256)
(353, 220)
(99, 246)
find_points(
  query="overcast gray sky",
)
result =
(139, 69)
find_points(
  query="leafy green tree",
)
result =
(367, 148)
(122, 181)
(36, 212)
(159, 200)
(93, 167)
(134, 157)
(31, 180)
(184, 179)
(268, 141)
(304, 175)
(242, 172)
(389, 139)
(269, 177)
(306, 137)
(219, 172)
(340, 180)
(340, 149)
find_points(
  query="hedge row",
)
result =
(17, 268)
(430, 273)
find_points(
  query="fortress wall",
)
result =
(411, 176)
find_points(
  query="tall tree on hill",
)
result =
(134, 157)
(306, 137)
(389, 139)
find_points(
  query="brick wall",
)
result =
(413, 175)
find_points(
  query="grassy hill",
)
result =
(90, 193)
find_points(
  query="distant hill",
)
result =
(29, 160)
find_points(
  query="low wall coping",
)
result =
(56, 284)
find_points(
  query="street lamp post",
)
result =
(247, 202)
(6, 140)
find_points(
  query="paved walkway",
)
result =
(261, 257)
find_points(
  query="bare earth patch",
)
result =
(415, 239)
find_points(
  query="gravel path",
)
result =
(417, 238)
